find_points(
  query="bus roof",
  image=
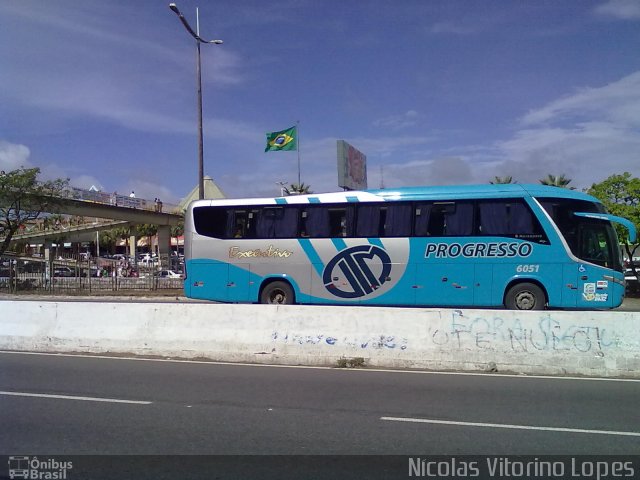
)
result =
(482, 191)
(439, 192)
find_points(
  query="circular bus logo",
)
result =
(356, 265)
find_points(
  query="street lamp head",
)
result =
(174, 8)
(217, 42)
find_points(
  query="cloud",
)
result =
(94, 72)
(13, 156)
(623, 9)
(588, 136)
(618, 101)
(396, 122)
(587, 152)
(444, 170)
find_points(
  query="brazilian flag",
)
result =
(282, 140)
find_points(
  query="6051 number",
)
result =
(528, 268)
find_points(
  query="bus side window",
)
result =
(369, 220)
(397, 221)
(459, 219)
(211, 221)
(337, 222)
(315, 222)
(237, 224)
(250, 228)
(446, 219)
(341, 221)
(277, 222)
(422, 219)
(442, 214)
(511, 217)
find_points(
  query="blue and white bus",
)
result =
(518, 246)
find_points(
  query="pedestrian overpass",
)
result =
(103, 211)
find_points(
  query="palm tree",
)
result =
(295, 189)
(148, 230)
(108, 240)
(123, 233)
(556, 181)
(502, 180)
(177, 231)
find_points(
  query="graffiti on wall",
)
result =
(479, 332)
(543, 334)
(373, 341)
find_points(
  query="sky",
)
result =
(433, 92)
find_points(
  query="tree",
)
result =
(123, 233)
(148, 230)
(557, 181)
(620, 194)
(503, 180)
(295, 189)
(178, 230)
(108, 240)
(24, 199)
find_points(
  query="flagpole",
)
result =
(298, 148)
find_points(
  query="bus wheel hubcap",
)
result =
(525, 301)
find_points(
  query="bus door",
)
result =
(594, 246)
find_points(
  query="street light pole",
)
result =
(199, 40)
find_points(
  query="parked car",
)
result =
(147, 260)
(63, 272)
(167, 274)
(628, 271)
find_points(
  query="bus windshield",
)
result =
(589, 239)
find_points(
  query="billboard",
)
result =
(352, 167)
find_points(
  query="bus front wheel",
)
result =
(525, 296)
(278, 293)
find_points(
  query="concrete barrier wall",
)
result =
(549, 342)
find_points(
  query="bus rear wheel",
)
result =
(525, 296)
(277, 293)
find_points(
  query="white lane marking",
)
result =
(369, 370)
(503, 425)
(72, 397)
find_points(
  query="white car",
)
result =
(628, 272)
(147, 260)
(167, 274)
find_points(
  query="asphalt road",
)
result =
(206, 408)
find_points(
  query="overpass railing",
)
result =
(118, 200)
